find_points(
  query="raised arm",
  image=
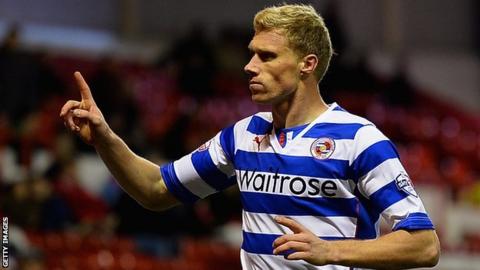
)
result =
(139, 177)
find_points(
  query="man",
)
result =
(314, 179)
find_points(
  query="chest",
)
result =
(301, 168)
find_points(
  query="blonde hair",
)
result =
(304, 29)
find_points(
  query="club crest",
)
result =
(204, 146)
(404, 183)
(322, 148)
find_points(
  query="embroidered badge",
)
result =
(404, 183)
(322, 148)
(204, 146)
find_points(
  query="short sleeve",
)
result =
(205, 171)
(382, 179)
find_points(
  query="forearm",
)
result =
(140, 178)
(396, 250)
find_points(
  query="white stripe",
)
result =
(401, 209)
(341, 117)
(302, 148)
(240, 133)
(365, 137)
(264, 183)
(345, 149)
(320, 226)
(219, 158)
(247, 143)
(380, 176)
(190, 179)
(252, 261)
(267, 116)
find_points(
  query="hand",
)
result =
(84, 117)
(301, 245)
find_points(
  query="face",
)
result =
(274, 68)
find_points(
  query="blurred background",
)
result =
(168, 75)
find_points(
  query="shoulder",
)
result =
(340, 124)
(342, 116)
(242, 132)
(259, 123)
(360, 132)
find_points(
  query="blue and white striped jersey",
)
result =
(336, 177)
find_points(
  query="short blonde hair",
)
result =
(304, 29)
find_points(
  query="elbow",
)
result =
(432, 257)
(151, 205)
(156, 205)
(431, 254)
(158, 199)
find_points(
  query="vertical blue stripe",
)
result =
(259, 125)
(174, 185)
(227, 141)
(371, 157)
(203, 164)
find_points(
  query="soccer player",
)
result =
(314, 179)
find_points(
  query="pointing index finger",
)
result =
(85, 92)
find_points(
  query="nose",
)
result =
(251, 68)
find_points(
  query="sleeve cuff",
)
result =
(414, 222)
(174, 185)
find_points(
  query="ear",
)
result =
(309, 64)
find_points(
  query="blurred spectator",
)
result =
(335, 27)
(476, 10)
(399, 91)
(361, 78)
(49, 84)
(115, 98)
(18, 87)
(471, 194)
(33, 205)
(87, 210)
(32, 262)
(231, 56)
(24, 255)
(193, 58)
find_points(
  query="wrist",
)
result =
(105, 139)
(333, 254)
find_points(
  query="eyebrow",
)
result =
(259, 50)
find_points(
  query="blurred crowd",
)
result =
(52, 184)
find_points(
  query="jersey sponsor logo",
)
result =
(204, 146)
(405, 184)
(322, 148)
(285, 184)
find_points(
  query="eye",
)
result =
(267, 56)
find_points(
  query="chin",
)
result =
(261, 100)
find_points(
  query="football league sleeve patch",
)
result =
(201, 173)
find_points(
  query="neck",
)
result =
(302, 107)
